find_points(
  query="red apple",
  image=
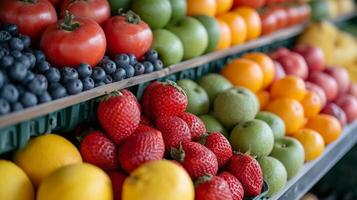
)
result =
(348, 103)
(294, 64)
(353, 89)
(279, 71)
(279, 52)
(335, 110)
(341, 77)
(318, 90)
(313, 56)
(327, 83)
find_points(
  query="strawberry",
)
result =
(146, 98)
(174, 131)
(144, 145)
(131, 95)
(197, 127)
(98, 150)
(219, 145)
(210, 187)
(235, 186)
(196, 159)
(117, 178)
(142, 128)
(144, 120)
(119, 115)
(248, 172)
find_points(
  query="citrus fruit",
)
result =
(14, 183)
(311, 104)
(263, 97)
(44, 154)
(289, 87)
(201, 7)
(76, 182)
(237, 26)
(312, 141)
(252, 20)
(290, 111)
(266, 65)
(326, 125)
(159, 180)
(223, 6)
(245, 73)
(225, 38)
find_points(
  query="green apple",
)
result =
(254, 136)
(212, 124)
(274, 174)
(156, 13)
(213, 30)
(214, 84)
(290, 152)
(193, 36)
(198, 102)
(115, 5)
(235, 105)
(169, 54)
(274, 121)
(179, 9)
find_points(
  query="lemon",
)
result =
(14, 183)
(45, 154)
(76, 182)
(158, 180)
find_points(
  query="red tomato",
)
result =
(269, 22)
(72, 41)
(293, 15)
(127, 34)
(304, 12)
(31, 16)
(250, 3)
(56, 3)
(98, 10)
(281, 16)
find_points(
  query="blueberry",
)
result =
(4, 52)
(17, 72)
(38, 85)
(98, 74)
(29, 77)
(158, 65)
(24, 60)
(58, 92)
(151, 55)
(139, 69)
(149, 67)
(2, 78)
(68, 73)
(10, 93)
(108, 79)
(21, 89)
(106, 58)
(5, 36)
(129, 71)
(119, 75)
(52, 86)
(43, 66)
(45, 97)
(40, 56)
(74, 86)
(16, 106)
(29, 99)
(122, 60)
(88, 83)
(11, 28)
(132, 59)
(6, 61)
(16, 54)
(16, 44)
(26, 40)
(31, 58)
(109, 66)
(84, 70)
(4, 107)
(53, 75)
(100, 83)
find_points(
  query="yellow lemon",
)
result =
(158, 180)
(76, 182)
(45, 154)
(14, 183)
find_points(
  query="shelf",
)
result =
(313, 171)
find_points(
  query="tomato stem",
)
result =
(130, 16)
(29, 1)
(68, 24)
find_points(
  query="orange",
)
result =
(201, 7)
(222, 6)
(290, 111)
(252, 20)
(244, 72)
(312, 141)
(311, 103)
(326, 125)
(263, 97)
(225, 36)
(265, 63)
(236, 25)
(290, 87)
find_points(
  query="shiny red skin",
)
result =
(342, 78)
(269, 22)
(335, 111)
(294, 64)
(31, 18)
(125, 37)
(318, 90)
(304, 12)
(314, 56)
(85, 44)
(250, 3)
(353, 89)
(117, 178)
(214, 189)
(197, 127)
(293, 15)
(327, 83)
(220, 146)
(281, 16)
(348, 103)
(235, 186)
(279, 71)
(98, 10)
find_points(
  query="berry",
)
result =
(26, 40)
(21, 89)
(68, 73)
(6, 61)
(234, 185)
(11, 28)
(219, 145)
(117, 178)
(84, 70)
(98, 150)
(122, 60)
(44, 98)
(88, 83)
(119, 115)
(40, 56)
(3, 52)
(16, 53)
(145, 121)
(53, 85)
(4, 36)
(197, 127)
(16, 106)
(146, 98)
(109, 66)
(174, 131)
(108, 79)
(129, 71)
(43, 66)
(247, 170)
(38, 85)
(210, 187)
(16, 44)
(98, 84)
(24, 60)
(17, 72)
(158, 65)
(151, 55)
(28, 99)
(196, 159)
(4, 107)
(141, 147)
(119, 74)
(31, 58)
(10, 93)
(58, 92)
(132, 59)
(53, 75)
(3, 78)
(149, 67)
(74, 86)
(139, 69)
(98, 74)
